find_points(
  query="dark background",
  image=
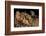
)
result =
(36, 11)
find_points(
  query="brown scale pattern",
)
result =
(25, 18)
